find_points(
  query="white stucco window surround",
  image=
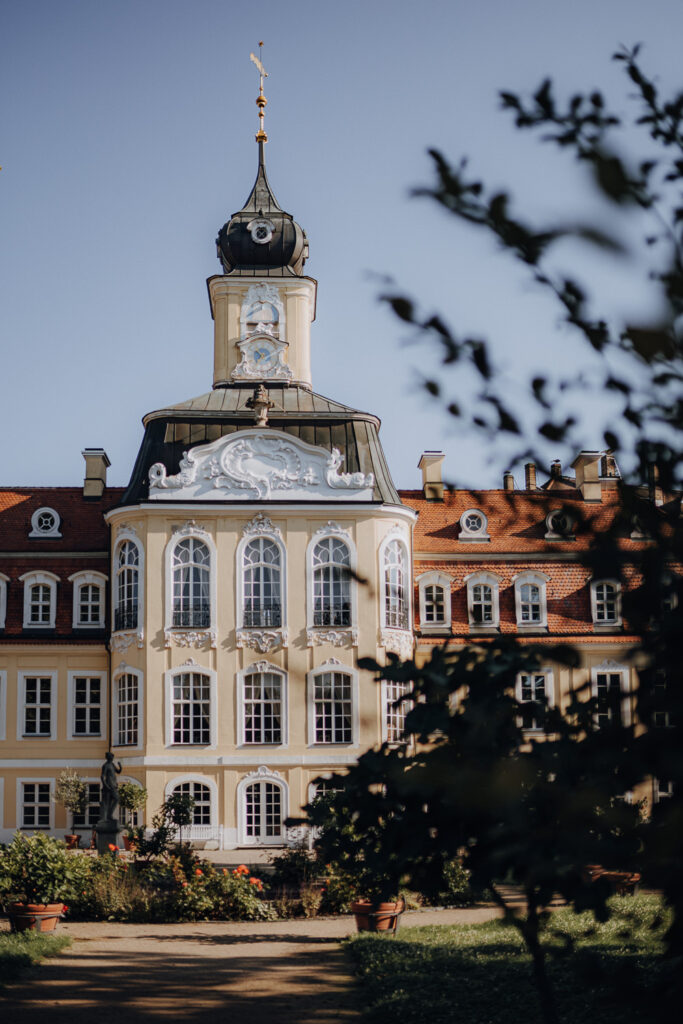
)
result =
(559, 525)
(45, 522)
(4, 580)
(204, 791)
(473, 526)
(262, 705)
(331, 597)
(393, 713)
(531, 688)
(127, 707)
(262, 807)
(434, 590)
(324, 785)
(3, 705)
(611, 688)
(261, 584)
(86, 705)
(483, 601)
(88, 599)
(37, 705)
(40, 599)
(531, 603)
(394, 572)
(190, 572)
(605, 605)
(332, 705)
(190, 701)
(128, 573)
(35, 803)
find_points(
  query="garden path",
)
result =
(294, 972)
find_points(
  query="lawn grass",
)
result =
(19, 952)
(481, 974)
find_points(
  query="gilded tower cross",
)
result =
(261, 100)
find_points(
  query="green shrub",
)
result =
(292, 869)
(35, 869)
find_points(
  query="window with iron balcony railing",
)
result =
(197, 616)
(262, 615)
(126, 616)
(334, 615)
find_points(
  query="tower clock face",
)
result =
(263, 355)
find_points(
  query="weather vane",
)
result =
(261, 101)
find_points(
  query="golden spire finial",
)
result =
(261, 101)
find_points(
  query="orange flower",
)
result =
(225, 871)
(257, 882)
(184, 884)
(112, 847)
(198, 871)
(242, 869)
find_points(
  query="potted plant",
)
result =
(35, 872)
(131, 798)
(70, 790)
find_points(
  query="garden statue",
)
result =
(107, 828)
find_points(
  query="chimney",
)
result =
(556, 470)
(96, 462)
(587, 468)
(655, 492)
(432, 484)
(530, 476)
(508, 481)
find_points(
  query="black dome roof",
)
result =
(261, 239)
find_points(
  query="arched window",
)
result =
(127, 587)
(396, 603)
(262, 705)
(191, 568)
(482, 601)
(262, 584)
(262, 809)
(331, 583)
(201, 794)
(88, 600)
(530, 600)
(606, 603)
(435, 602)
(40, 600)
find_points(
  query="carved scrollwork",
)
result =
(121, 641)
(262, 526)
(263, 640)
(398, 641)
(334, 637)
(190, 638)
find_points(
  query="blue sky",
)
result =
(128, 139)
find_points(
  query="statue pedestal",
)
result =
(107, 831)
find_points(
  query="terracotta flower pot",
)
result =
(377, 917)
(36, 917)
(72, 840)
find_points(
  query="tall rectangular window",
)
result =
(87, 706)
(191, 708)
(35, 805)
(395, 714)
(332, 700)
(607, 689)
(89, 817)
(262, 705)
(90, 605)
(127, 711)
(37, 706)
(532, 695)
(40, 605)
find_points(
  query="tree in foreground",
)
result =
(467, 781)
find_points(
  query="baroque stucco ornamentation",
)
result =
(263, 772)
(192, 638)
(251, 368)
(331, 661)
(257, 294)
(261, 525)
(189, 529)
(335, 637)
(262, 666)
(121, 641)
(261, 464)
(332, 528)
(263, 640)
(399, 641)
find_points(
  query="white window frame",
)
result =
(311, 790)
(258, 668)
(549, 687)
(469, 535)
(71, 733)
(191, 669)
(338, 533)
(534, 579)
(484, 579)
(276, 538)
(127, 670)
(36, 532)
(387, 702)
(121, 538)
(434, 579)
(609, 667)
(659, 794)
(262, 774)
(398, 537)
(20, 803)
(87, 827)
(198, 534)
(22, 676)
(203, 780)
(4, 580)
(3, 710)
(332, 666)
(605, 625)
(32, 579)
(88, 579)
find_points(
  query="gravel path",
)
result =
(292, 972)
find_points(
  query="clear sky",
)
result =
(128, 139)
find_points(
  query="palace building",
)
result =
(205, 622)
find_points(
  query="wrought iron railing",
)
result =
(197, 616)
(126, 616)
(264, 615)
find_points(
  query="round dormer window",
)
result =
(45, 523)
(261, 230)
(473, 525)
(559, 523)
